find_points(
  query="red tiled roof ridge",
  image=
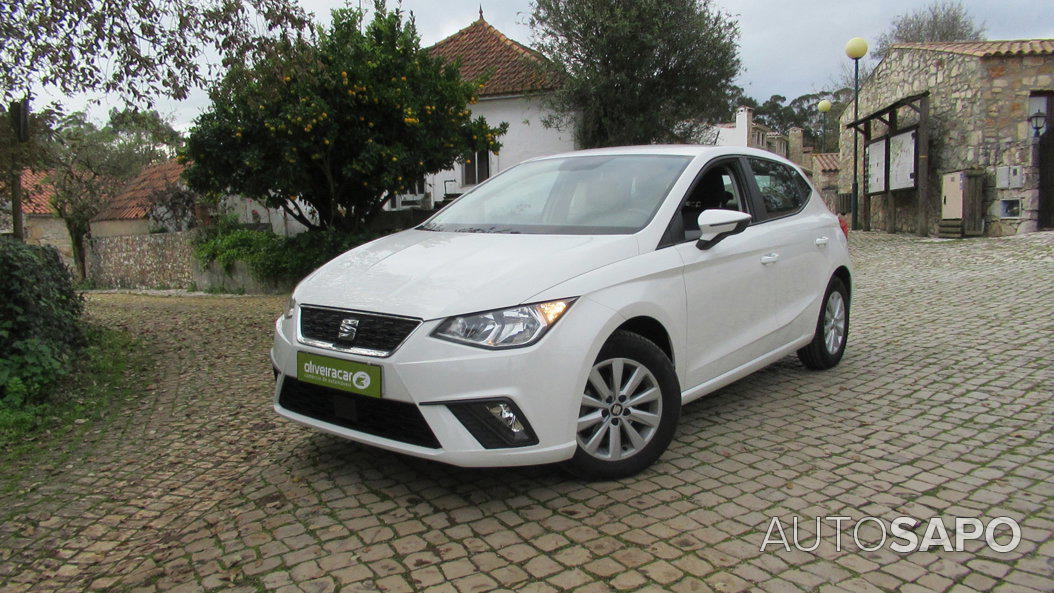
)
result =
(526, 51)
(36, 193)
(826, 161)
(134, 201)
(480, 48)
(985, 48)
(523, 49)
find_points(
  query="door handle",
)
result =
(770, 258)
(822, 241)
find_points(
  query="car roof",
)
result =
(691, 150)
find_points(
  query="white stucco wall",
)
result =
(526, 138)
(737, 134)
(49, 230)
(252, 212)
(117, 228)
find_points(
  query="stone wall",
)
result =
(5, 217)
(161, 260)
(166, 260)
(826, 182)
(1006, 137)
(978, 121)
(237, 279)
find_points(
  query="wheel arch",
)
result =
(842, 273)
(653, 330)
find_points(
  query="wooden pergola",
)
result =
(888, 116)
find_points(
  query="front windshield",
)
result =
(583, 195)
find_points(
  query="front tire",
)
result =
(629, 409)
(832, 329)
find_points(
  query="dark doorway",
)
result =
(1046, 179)
(1045, 160)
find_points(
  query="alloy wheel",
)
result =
(834, 322)
(620, 410)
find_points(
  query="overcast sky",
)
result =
(787, 47)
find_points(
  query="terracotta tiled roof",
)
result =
(36, 194)
(983, 49)
(514, 68)
(134, 201)
(825, 161)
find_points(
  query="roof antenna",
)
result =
(481, 11)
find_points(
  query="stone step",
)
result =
(950, 228)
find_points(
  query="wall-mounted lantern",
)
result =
(1038, 121)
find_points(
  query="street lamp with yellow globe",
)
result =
(856, 48)
(823, 107)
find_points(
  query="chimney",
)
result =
(744, 123)
(795, 148)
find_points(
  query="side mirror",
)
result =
(716, 224)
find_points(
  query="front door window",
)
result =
(719, 187)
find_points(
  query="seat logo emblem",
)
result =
(348, 329)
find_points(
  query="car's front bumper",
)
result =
(545, 381)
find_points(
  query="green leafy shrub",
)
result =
(39, 323)
(274, 258)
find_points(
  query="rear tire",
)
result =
(629, 410)
(832, 329)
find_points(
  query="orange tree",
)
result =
(340, 122)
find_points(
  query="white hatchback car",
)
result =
(567, 308)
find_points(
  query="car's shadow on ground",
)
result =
(385, 473)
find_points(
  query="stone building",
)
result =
(128, 213)
(980, 97)
(824, 169)
(40, 223)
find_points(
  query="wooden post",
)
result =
(19, 112)
(865, 198)
(922, 225)
(17, 230)
(891, 202)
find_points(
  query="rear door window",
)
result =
(782, 189)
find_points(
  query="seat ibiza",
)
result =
(565, 310)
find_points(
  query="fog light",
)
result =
(504, 413)
(495, 423)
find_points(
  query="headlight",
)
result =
(290, 307)
(504, 328)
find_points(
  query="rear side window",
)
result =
(783, 191)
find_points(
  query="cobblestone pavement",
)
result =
(942, 407)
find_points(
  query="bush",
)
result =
(271, 257)
(39, 322)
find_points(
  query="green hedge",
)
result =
(271, 257)
(40, 327)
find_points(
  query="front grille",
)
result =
(375, 334)
(399, 421)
